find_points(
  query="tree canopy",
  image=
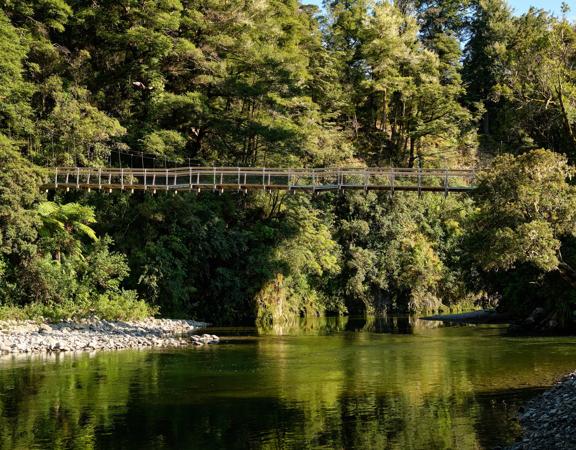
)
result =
(410, 83)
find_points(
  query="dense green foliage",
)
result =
(277, 83)
(403, 254)
(525, 227)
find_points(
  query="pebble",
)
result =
(95, 334)
(548, 420)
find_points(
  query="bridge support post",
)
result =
(419, 182)
(314, 181)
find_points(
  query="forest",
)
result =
(277, 83)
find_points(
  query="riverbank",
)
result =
(485, 316)
(94, 334)
(549, 421)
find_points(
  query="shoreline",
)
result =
(21, 337)
(549, 420)
(484, 316)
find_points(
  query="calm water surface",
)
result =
(334, 384)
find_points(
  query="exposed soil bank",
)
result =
(94, 334)
(549, 421)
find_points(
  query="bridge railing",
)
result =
(245, 178)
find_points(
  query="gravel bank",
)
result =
(94, 334)
(549, 421)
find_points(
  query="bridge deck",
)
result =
(243, 179)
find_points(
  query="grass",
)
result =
(121, 307)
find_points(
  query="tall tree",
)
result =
(209, 80)
(15, 91)
(525, 227)
(415, 107)
(540, 80)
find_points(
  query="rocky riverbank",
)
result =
(549, 421)
(90, 335)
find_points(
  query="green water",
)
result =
(342, 384)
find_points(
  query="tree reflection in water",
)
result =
(333, 383)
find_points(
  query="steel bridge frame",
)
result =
(269, 179)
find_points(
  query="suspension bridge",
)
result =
(269, 179)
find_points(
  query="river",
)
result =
(338, 383)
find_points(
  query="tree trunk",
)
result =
(567, 273)
(385, 112)
(565, 118)
(412, 157)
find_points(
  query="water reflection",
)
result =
(302, 326)
(329, 384)
(392, 324)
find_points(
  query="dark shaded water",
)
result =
(325, 384)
